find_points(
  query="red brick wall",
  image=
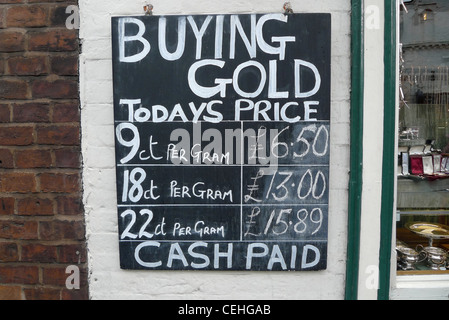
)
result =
(42, 229)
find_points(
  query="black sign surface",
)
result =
(222, 129)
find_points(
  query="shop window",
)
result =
(426, 15)
(423, 143)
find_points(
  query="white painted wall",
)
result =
(107, 280)
(373, 147)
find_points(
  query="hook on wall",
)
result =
(287, 8)
(148, 9)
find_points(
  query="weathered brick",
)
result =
(35, 207)
(7, 206)
(59, 89)
(72, 253)
(2, 63)
(58, 135)
(28, 66)
(17, 182)
(42, 132)
(59, 182)
(64, 65)
(58, 16)
(11, 1)
(13, 89)
(11, 41)
(82, 294)
(69, 205)
(19, 274)
(27, 16)
(10, 293)
(24, 230)
(53, 1)
(66, 112)
(2, 18)
(39, 253)
(9, 252)
(16, 136)
(5, 113)
(33, 159)
(31, 112)
(42, 293)
(55, 276)
(61, 230)
(6, 159)
(68, 158)
(53, 40)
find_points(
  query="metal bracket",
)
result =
(148, 9)
(403, 6)
(288, 8)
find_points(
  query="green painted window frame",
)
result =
(389, 144)
(356, 153)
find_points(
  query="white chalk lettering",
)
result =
(200, 254)
(196, 255)
(199, 33)
(281, 40)
(250, 45)
(199, 191)
(181, 39)
(222, 83)
(207, 92)
(298, 93)
(305, 255)
(199, 260)
(123, 39)
(145, 263)
(252, 38)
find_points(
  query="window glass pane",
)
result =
(423, 150)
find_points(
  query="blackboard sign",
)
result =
(222, 141)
